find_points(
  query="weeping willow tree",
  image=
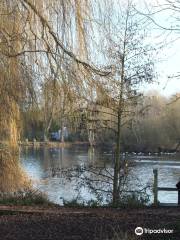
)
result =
(11, 174)
(46, 38)
(58, 49)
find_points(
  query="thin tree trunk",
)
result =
(116, 179)
(46, 131)
(117, 164)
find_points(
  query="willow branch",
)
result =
(60, 44)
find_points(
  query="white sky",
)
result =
(169, 58)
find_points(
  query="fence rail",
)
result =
(168, 189)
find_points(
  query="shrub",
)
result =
(29, 197)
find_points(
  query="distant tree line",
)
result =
(155, 129)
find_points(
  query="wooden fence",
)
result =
(167, 189)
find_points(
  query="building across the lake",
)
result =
(57, 136)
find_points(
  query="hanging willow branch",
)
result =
(45, 24)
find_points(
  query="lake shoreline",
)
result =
(57, 144)
(51, 144)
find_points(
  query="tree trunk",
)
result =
(116, 179)
(117, 165)
(62, 129)
(91, 137)
(47, 128)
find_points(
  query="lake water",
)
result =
(44, 166)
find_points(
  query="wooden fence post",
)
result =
(155, 187)
(178, 188)
(179, 197)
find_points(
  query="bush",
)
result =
(73, 203)
(29, 197)
(79, 203)
(134, 200)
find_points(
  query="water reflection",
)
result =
(45, 166)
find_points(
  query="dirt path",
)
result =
(31, 223)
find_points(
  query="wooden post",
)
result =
(178, 188)
(179, 197)
(155, 187)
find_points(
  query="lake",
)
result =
(44, 166)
